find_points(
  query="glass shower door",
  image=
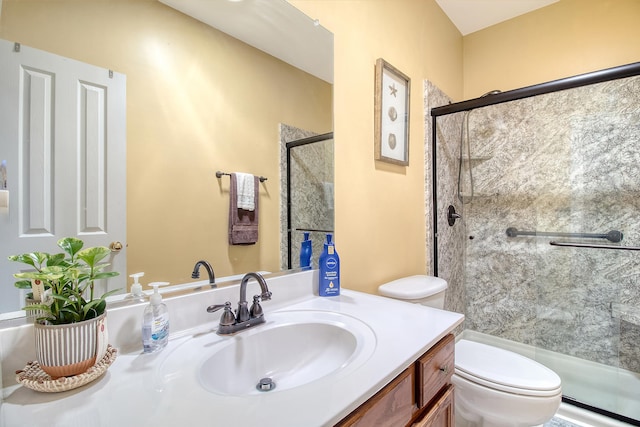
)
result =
(310, 195)
(587, 325)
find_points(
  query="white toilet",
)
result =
(493, 387)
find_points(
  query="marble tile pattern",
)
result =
(312, 196)
(561, 162)
(450, 239)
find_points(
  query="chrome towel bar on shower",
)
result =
(612, 236)
(588, 246)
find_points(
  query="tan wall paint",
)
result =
(380, 222)
(197, 100)
(564, 39)
(380, 208)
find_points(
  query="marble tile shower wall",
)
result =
(312, 196)
(564, 162)
(450, 239)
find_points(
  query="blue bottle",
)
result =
(305, 251)
(329, 265)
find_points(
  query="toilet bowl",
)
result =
(496, 387)
(493, 387)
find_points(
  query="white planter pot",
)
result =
(67, 350)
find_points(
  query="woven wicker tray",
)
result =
(33, 377)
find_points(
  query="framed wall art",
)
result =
(392, 89)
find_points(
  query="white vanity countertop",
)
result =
(133, 393)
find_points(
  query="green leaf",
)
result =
(105, 275)
(23, 284)
(64, 298)
(70, 245)
(92, 256)
(57, 259)
(111, 292)
(100, 308)
(43, 307)
(68, 315)
(34, 259)
(33, 275)
(94, 308)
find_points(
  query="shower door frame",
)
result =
(624, 71)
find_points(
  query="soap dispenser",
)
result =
(305, 251)
(136, 289)
(329, 270)
(155, 322)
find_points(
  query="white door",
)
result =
(63, 137)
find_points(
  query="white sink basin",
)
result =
(292, 349)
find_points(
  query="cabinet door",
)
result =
(434, 370)
(441, 413)
(392, 406)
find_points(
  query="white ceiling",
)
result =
(273, 26)
(473, 15)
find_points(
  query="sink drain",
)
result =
(265, 384)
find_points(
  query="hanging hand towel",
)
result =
(243, 223)
(245, 185)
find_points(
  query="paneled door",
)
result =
(63, 139)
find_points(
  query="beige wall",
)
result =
(380, 208)
(561, 40)
(380, 216)
(197, 101)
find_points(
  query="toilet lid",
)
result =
(413, 287)
(504, 370)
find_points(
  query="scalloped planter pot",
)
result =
(67, 350)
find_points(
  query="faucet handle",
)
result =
(256, 308)
(227, 318)
(215, 307)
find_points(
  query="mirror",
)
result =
(198, 101)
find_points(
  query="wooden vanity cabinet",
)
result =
(421, 396)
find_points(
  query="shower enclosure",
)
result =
(309, 196)
(544, 259)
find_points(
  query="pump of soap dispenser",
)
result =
(156, 298)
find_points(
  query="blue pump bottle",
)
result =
(329, 266)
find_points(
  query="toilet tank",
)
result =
(419, 289)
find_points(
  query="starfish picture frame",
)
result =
(391, 114)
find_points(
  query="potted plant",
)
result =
(70, 316)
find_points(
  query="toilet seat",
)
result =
(504, 370)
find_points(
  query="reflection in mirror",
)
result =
(197, 101)
(309, 197)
